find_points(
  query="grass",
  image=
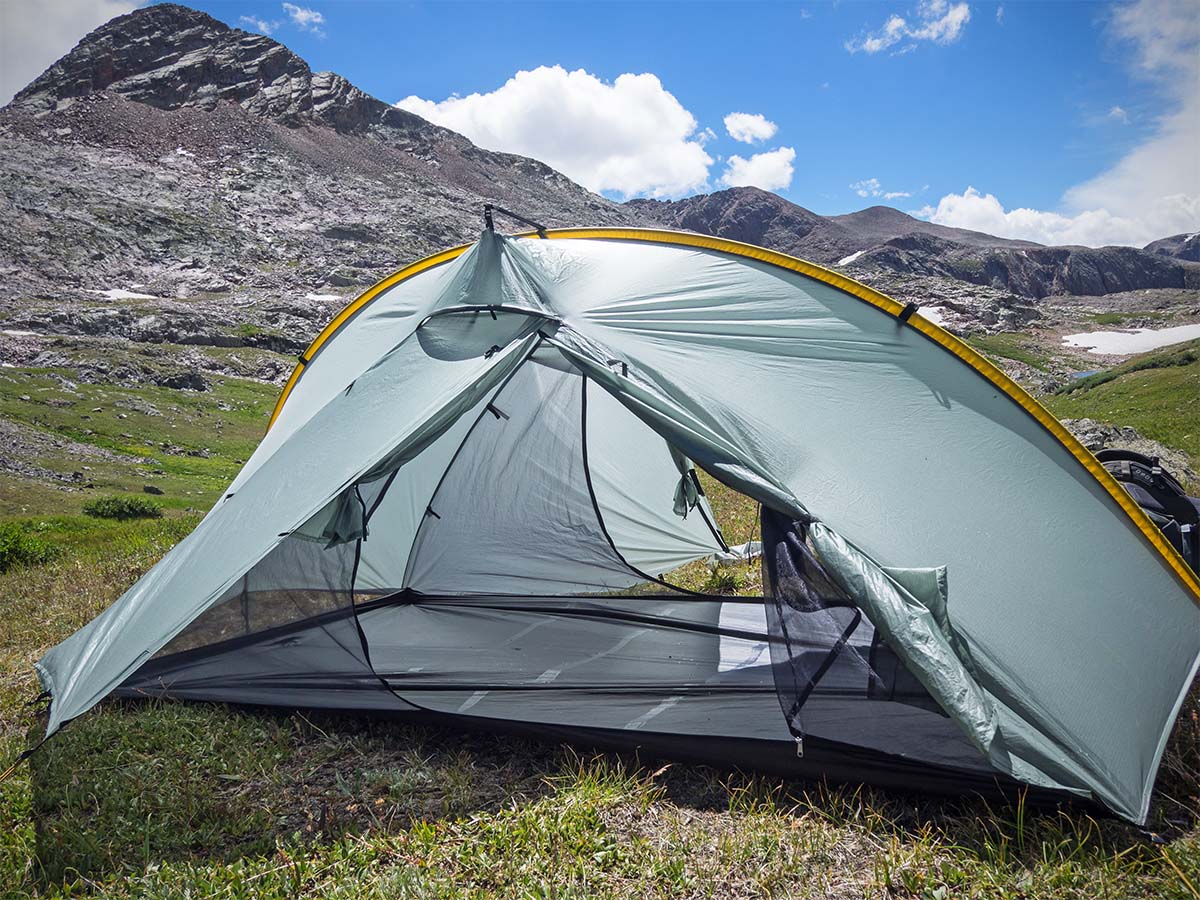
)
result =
(1012, 345)
(1158, 393)
(21, 545)
(156, 799)
(122, 508)
(188, 444)
(1120, 318)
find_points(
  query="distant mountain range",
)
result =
(880, 237)
(197, 161)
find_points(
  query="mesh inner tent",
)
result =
(520, 603)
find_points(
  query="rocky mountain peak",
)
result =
(170, 56)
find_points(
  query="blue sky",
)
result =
(1070, 121)
(1018, 107)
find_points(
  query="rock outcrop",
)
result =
(884, 239)
(1178, 246)
(170, 57)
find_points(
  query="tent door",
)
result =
(813, 626)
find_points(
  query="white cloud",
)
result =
(34, 35)
(1000, 14)
(1117, 114)
(305, 19)
(770, 170)
(749, 127)
(870, 187)
(1154, 191)
(937, 21)
(256, 24)
(629, 137)
(1093, 228)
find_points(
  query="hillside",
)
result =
(1156, 393)
(173, 157)
(884, 241)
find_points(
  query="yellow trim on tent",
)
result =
(354, 306)
(856, 289)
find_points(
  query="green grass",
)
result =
(188, 444)
(1012, 345)
(122, 508)
(21, 545)
(1120, 318)
(1158, 393)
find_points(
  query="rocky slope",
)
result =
(881, 239)
(1178, 246)
(172, 156)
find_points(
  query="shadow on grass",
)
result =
(143, 783)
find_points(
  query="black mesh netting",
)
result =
(809, 619)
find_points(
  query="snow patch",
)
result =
(122, 294)
(179, 151)
(845, 261)
(1136, 340)
(323, 298)
(934, 314)
(13, 332)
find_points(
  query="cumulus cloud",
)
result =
(750, 127)
(631, 136)
(870, 187)
(770, 170)
(936, 21)
(254, 23)
(1092, 228)
(1154, 191)
(305, 19)
(34, 35)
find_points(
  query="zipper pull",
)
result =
(800, 746)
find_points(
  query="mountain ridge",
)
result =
(883, 238)
(173, 151)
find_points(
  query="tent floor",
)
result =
(549, 668)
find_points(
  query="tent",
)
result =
(479, 477)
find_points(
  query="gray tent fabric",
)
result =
(518, 419)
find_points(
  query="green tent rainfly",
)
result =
(481, 472)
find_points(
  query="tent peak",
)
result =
(489, 225)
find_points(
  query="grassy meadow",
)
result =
(155, 799)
